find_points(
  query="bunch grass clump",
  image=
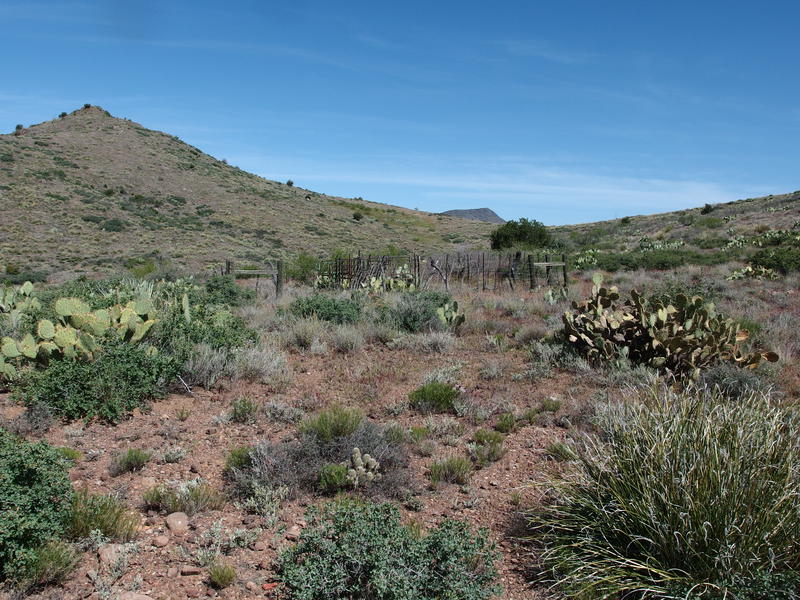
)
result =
(434, 397)
(332, 423)
(683, 491)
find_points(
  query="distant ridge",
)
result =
(486, 215)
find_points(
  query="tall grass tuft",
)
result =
(684, 495)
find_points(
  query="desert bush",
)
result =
(332, 423)
(434, 397)
(223, 289)
(130, 460)
(191, 498)
(346, 339)
(243, 410)
(238, 458)
(50, 565)
(333, 478)
(434, 342)
(262, 364)
(362, 551)
(506, 423)
(206, 366)
(657, 502)
(35, 501)
(296, 464)
(303, 268)
(733, 382)
(122, 377)
(282, 413)
(303, 334)
(104, 514)
(35, 420)
(453, 469)
(326, 308)
(416, 312)
(783, 260)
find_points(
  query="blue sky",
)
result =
(563, 111)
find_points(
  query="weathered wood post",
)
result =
(531, 276)
(564, 268)
(227, 267)
(279, 279)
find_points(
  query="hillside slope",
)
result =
(88, 192)
(486, 215)
(709, 228)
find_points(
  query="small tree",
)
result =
(532, 234)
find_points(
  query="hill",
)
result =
(88, 192)
(486, 215)
(713, 233)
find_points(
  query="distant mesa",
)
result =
(475, 214)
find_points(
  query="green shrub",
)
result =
(434, 397)
(522, 233)
(506, 423)
(487, 447)
(453, 469)
(416, 312)
(326, 308)
(105, 514)
(51, 564)
(132, 459)
(784, 260)
(332, 478)
(114, 225)
(303, 268)
(238, 458)
(682, 491)
(332, 423)
(223, 289)
(243, 410)
(122, 377)
(35, 501)
(362, 551)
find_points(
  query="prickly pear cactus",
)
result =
(449, 315)
(682, 339)
(361, 469)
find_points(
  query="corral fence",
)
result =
(273, 270)
(481, 270)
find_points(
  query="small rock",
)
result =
(293, 533)
(160, 541)
(134, 596)
(147, 482)
(268, 586)
(302, 523)
(172, 572)
(178, 522)
(189, 570)
(193, 593)
(264, 564)
(259, 546)
(251, 585)
(193, 469)
(109, 554)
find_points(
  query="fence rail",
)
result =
(484, 270)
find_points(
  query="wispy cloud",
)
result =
(513, 186)
(546, 51)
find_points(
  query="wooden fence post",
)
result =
(564, 268)
(279, 279)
